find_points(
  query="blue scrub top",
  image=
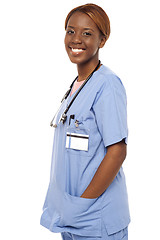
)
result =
(100, 109)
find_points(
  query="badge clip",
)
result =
(76, 123)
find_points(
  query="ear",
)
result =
(102, 41)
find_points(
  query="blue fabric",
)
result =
(121, 235)
(100, 109)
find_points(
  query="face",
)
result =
(83, 39)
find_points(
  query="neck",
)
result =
(84, 70)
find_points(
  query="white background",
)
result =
(35, 72)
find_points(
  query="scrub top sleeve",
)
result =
(110, 109)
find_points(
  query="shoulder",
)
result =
(108, 77)
(108, 81)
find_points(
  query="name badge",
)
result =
(77, 141)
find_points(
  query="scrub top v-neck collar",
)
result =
(94, 74)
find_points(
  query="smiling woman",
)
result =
(87, 196)
(87, 30)
(82, 43)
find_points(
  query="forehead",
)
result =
(81, 20)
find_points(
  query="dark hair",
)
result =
(97, 14)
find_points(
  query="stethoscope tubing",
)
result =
(64, 115)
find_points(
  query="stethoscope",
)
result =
(63, 117)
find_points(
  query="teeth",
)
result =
(77, 50)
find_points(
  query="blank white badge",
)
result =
(77, 141)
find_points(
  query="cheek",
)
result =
(93, 49)
(93, 44)
(65, 40)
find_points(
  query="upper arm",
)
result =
(110, 111)
(118, 150)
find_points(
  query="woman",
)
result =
(87, 196)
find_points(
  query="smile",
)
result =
(77, 50)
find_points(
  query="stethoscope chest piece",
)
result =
(63, 118)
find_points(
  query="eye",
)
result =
(87, 34)
(70, 31)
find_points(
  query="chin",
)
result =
(78, 61)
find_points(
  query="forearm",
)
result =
(106, 171)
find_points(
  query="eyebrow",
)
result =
(83, 28)
(89, 29)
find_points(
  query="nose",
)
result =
(76, 39)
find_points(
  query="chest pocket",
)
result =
(82, 137)
(78, 138)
